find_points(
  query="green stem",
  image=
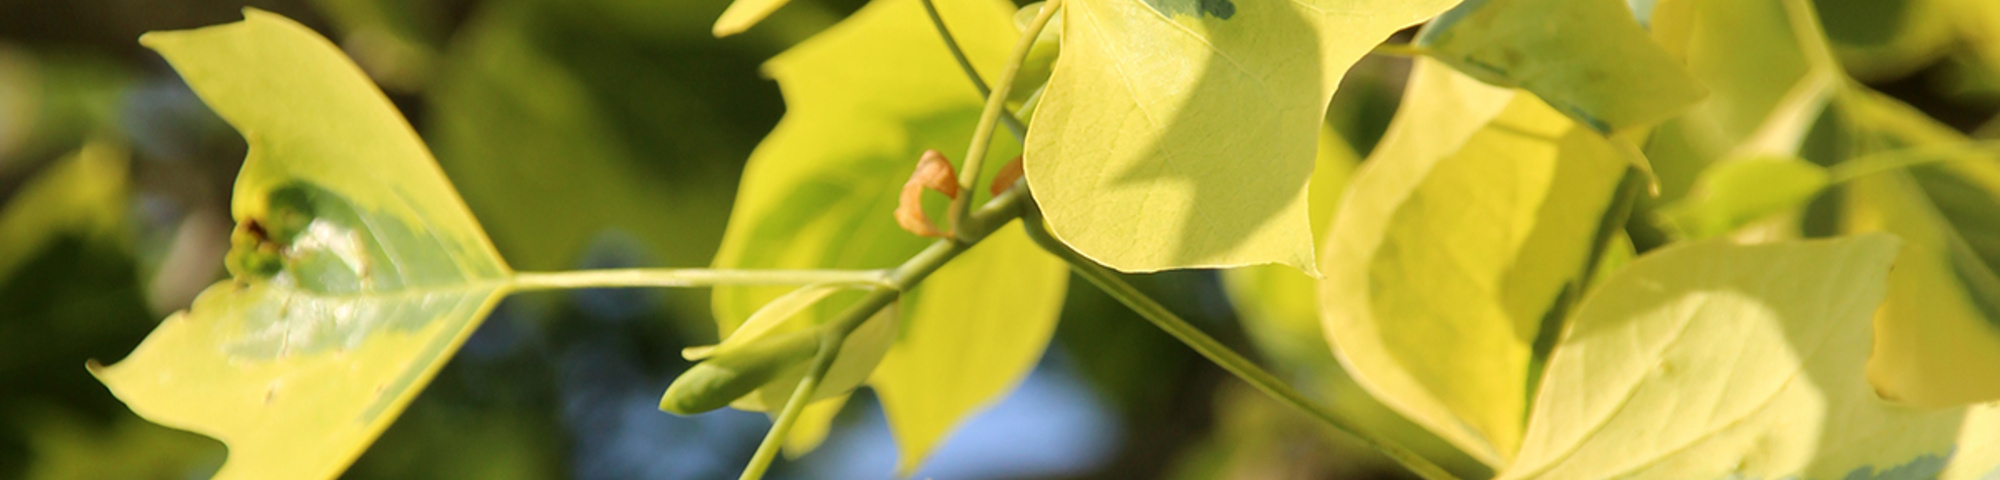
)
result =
(997, 212)
(1215, 351)
(1899, 159)
(982, 135)
(774, 440)
(951, 43)
(691, 277)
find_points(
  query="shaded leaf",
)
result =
(1457, 235)
(358, 270)
(1138, 171)
(1717, 360)
(1766, 86)
(864, 98)
(1588, 58)
(1737, 192)
(1938, 333)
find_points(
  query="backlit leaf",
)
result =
(1179, 133)
(1588, 58)
(1717, 360)
(865, 99)
(1457, 235)
(358, 270)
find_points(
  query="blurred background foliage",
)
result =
(610, 133)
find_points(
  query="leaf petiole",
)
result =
(692, 277)
(982, 135)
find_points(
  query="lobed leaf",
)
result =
(1717, 360)
(1179, 133)
(1457, 235)
(358, 271)
(865, 99)
(1588, 58)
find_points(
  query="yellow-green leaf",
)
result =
(1717, 360)
(1457, 235)
(1766, 85)
(358, 270)
(1737, 192)
(865, 99)
(1588, 58)
(1280, 306)
(1179, 133)
(965, 350)
(1938, 334)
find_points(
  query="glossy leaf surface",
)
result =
(1718, 360)
(358, 270)
(1179, 133)
(1588, 58)
(1457, 235)
(864, 100)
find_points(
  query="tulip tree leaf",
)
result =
(358, 271)
(865, 99)
(1457, 236)
(1278, 305)
(1938, 334)
(1179, 133)
(1735, 193)
(1588, 58)
(743, 14)
(1716, 360)
(1766, 86)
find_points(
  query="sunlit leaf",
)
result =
(1766, 85)
(1179, 133)
(358, 270)
(1588, 58)
(1737, 192)
(865, 99)
(1717, 360)
(1938, 333)
(1457, 235)
(1280, 306)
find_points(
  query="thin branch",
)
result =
(982, 135)
(1236, 364)
(979, 84)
